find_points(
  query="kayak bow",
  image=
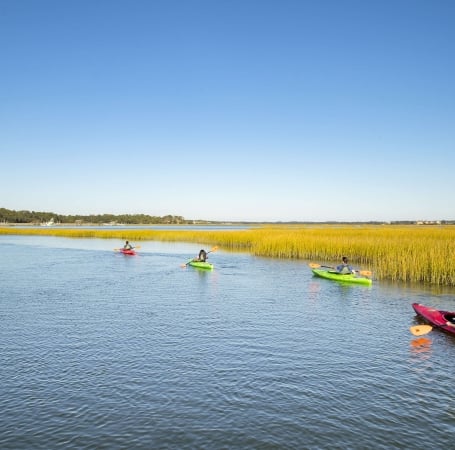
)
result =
(445, 320)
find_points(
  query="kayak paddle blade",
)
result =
(419, 330)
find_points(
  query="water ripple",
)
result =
(101, 351)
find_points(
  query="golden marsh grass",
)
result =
(399, 253)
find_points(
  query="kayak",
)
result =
(200, 264)
(346, 278)
(445, 320)
(127, 252)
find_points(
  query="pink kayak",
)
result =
(445, 320)
(127, 252)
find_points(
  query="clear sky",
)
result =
(257, 110)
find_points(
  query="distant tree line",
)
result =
(8, 216)
(36, 217)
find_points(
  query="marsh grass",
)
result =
(406, 253)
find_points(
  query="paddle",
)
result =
(118, 249)
(213, 249)
(419, 330)
(365, 273)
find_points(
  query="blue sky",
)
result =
(257, 110)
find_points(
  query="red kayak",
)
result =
(127, 252)
(445, 320)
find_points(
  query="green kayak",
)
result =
(346, 278)
(200, 264)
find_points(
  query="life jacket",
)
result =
(344, 269)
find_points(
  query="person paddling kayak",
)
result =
(344, 267)
(127, 246)
(202, 257)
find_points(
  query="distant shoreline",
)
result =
(9, 217)
(225, 223)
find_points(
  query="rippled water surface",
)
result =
(105, 351)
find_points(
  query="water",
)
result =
(105, 351)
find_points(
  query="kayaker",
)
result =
(344, 267)
(127, 246)
(202, 256)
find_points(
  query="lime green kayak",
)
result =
(346, 278)
(200, 264)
